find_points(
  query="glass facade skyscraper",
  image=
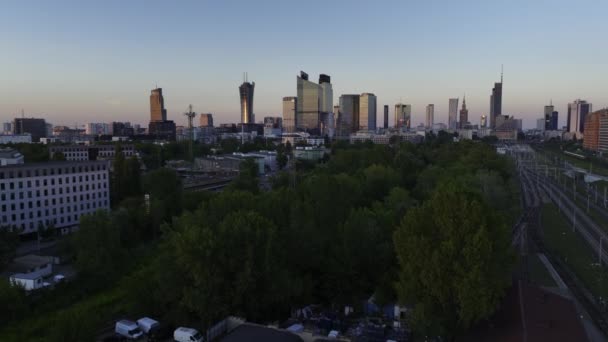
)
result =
(403, 115)
(367, 112)
(290, 105)
(452, 112)
(308, 104)
(246, 95)
(348, 120)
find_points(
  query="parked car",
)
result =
(128, 330)
(147, 325)
(183, 334)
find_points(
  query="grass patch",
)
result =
(570, 247)
(538, 272)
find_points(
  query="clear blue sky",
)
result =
(96, 61)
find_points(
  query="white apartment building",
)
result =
(55, 193)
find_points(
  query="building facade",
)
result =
(37, 128)
(452, 112)
(548, 116)
(308, 104)
(403, 115)
(496, 102)
(348, 120)
(327, 94)
(52, 194)
(593, 128)
(430, 116)
(246, 95)
(385, 125)
(91, 152)
(290, 107)
(206, 120)
(157, 105)
(367, 112)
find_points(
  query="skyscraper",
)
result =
(548, 116)
(37, 128)
(464, 114)
(206, 120)
(430, 116)
(554, 120)
(367, 112)
(157, 105)
(246, 95)
(385, 116)
(348, 119)
(496, 102)
(452, 111)
(403, 115)
(577, 112)
(308, 104)
(290, 105)
(327, 94)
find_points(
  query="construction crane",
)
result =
(190, 114)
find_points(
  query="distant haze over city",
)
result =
(73, 63)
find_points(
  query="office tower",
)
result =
(348, 120)
(496, 102)
(206, 120)
(385, 117)
(596, 131)
(483, 121)
(367, 112)
(548, 116)
(246, 94)
(403, 115)
(309, 104)
(37, 128)
(464, 114)
(554, 120)
(327, 94)
(159, 126)
(577, 111)
(290, 107)
(430, 116)
(452, 111)
(540, 124)
(157, 105)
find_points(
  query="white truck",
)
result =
(183, 334)
(148, 325)
(128, 330)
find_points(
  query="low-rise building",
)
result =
(91, 152)
(54, 194)
(10, 156)
(30, 271)
(16, 138)
(309, 153)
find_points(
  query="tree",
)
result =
(58, 156)
(118, 181)
(13, 301)
(247, 180)
(9, 240)
(455, 261)
(165, 189)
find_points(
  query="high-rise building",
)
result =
(483, 121)
(37, 128)
(496, 102)
(206, 120)
(403, 115)
(540, 124)
(548, 116)
(554, 120)
(385, 117)
(7, 128)
(348, 120)
(367, 112)
(290, 107)
(594, 130)
(452, 112)
(430, 116)
(246, 95)
(159, 126)
(309, 104)
(157, 105)
(327, 94)
(577, 112)
(464, 114)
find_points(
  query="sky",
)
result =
(74, 62)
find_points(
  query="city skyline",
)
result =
(92, 70)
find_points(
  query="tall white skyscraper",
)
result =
(289, 113)
(452, 112)
(367, 112)
(577, 112)
(430, 116)
(403, 115)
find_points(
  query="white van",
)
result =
(147, 325)
(183, 334)
(128, 329)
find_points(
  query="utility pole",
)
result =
(574, 219)
(600, 253)
(190, 114)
